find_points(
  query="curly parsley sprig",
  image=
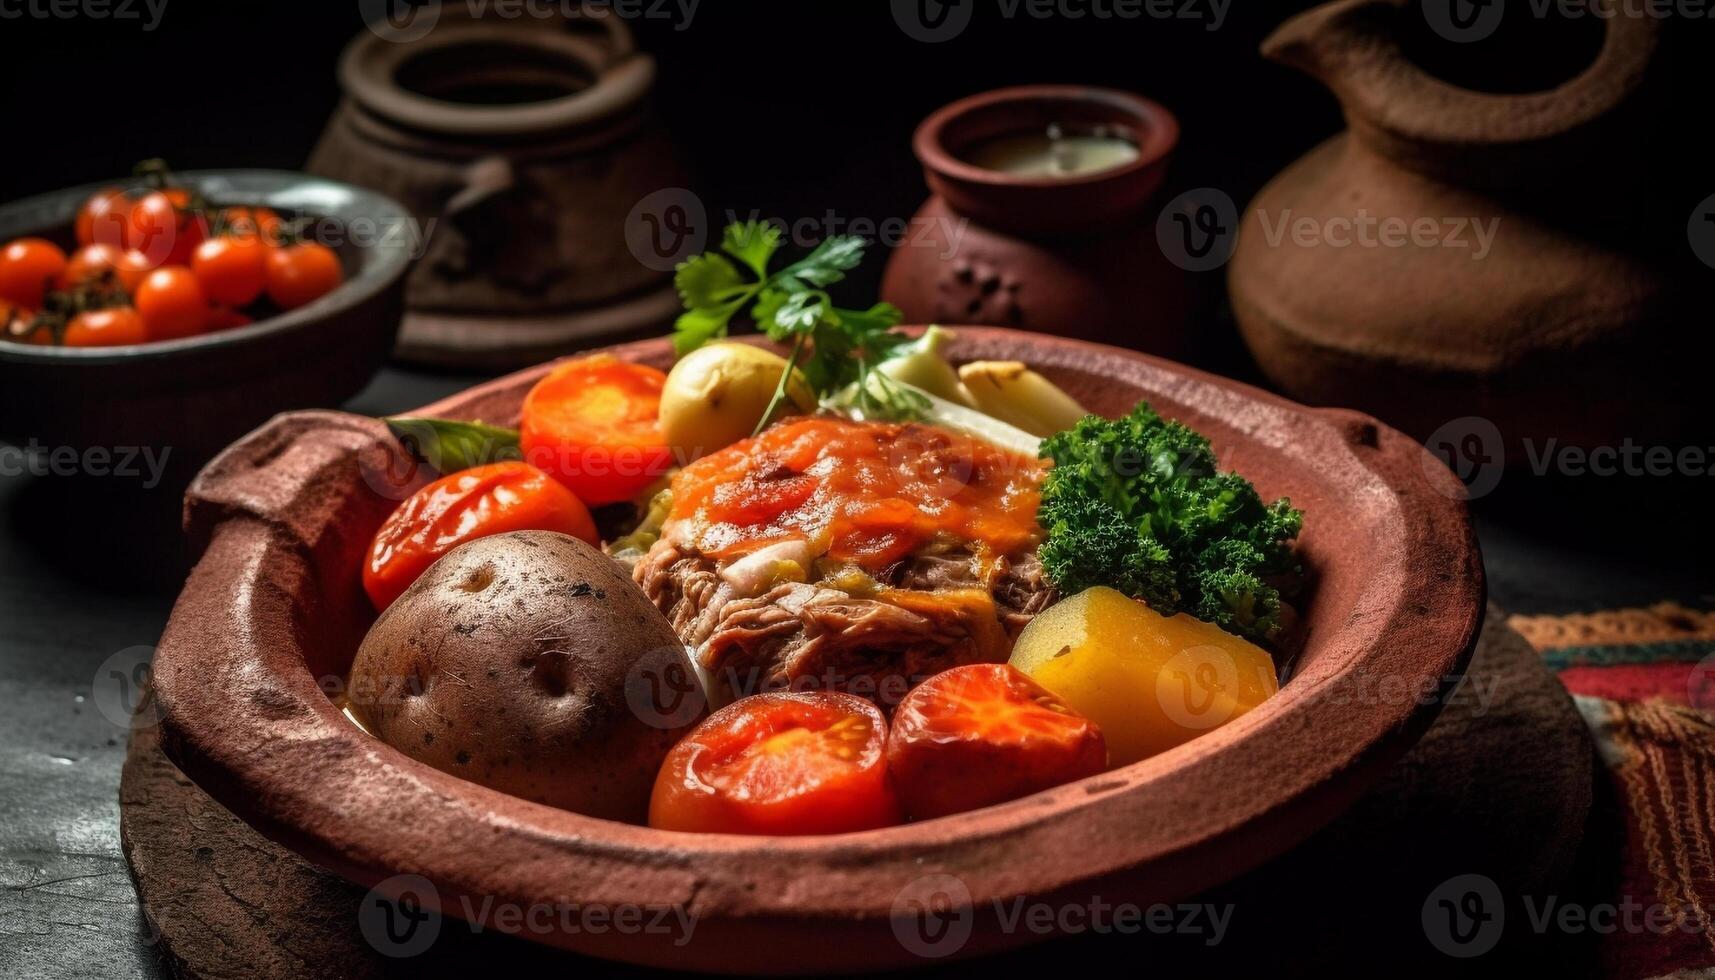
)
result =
(833, 347)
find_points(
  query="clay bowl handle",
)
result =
(1399, 110)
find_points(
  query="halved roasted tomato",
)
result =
(779, 763)
(983, 734)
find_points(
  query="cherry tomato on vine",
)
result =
(162, 227)
(223, 318)
(28, 267)
(802, 762)
(104, 218)
(301, 273)
(132, 268)
(89, 263)
(13, 318)
(232, 269)
(249, 222)
(171, 303)
(464, 506)
(111, 327)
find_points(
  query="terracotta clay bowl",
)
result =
(280, 521)
(198, 394)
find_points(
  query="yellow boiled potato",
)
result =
(1149, 681)
(716, 394)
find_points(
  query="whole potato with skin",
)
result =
(529, 662)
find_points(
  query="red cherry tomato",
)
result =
(172, 303)
(89, 263)
(112, 327)
(104, 218)
(221, 318)
(464, 506)
(161, 227)
(779, 763)
(248, 222)
(132, 268)
(594, 422)
(301, 273)
(231, 269)
(28, 267)
(982, 734)
(13, 320)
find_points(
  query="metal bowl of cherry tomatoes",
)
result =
(182, 310)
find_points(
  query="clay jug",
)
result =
(520, 144)
(1502, 291)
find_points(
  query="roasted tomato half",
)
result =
(983, 734)
(464, 506)
(779, 763)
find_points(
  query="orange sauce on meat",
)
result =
(874, 492)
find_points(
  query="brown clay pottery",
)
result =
(522, 144)
(282, 518)
(192, 397)
(1071, 251)
(1460, 253)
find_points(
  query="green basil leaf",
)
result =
(450, 446)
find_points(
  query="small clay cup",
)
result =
(1073, 256)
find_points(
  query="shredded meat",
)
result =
(929, 613)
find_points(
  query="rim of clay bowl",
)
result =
(620, 76)
(1045, 203)
(1399, 600)
(1153, 129)
(317, 197)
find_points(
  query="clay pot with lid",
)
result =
(520, 145)
(1572, 326)
(1072, 255)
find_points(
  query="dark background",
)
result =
(788, 108)
(792, 107)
